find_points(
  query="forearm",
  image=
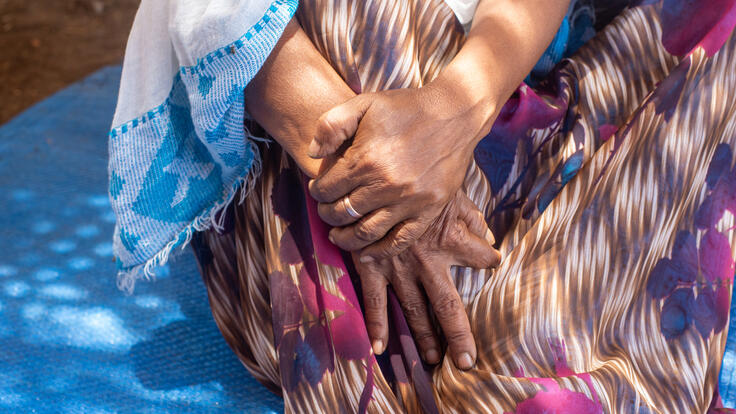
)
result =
(504, 43)
(293, 88)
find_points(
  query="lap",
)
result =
(586, 293)
(591, 183)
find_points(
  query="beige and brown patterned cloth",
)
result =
(611, 189)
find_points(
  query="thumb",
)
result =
(338, 125)
(473, 218)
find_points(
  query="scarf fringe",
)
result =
(210, 219)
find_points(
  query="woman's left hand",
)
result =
(456, 237)
(409, 153)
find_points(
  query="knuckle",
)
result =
(394, 179)
(370, 163)
(373, 300)
(410, 187)
(382, 187)
(424, 334)
(374, 325)
(457, 336)
(356, 165)
(448, 305)
(403, 239)
(317, 191)
(365, 232)
(328, 126)
(455, 234)
(435, 195)
(400, 244)
(345, 244)
(389, 180)
(327, 213)
(423, 257)
(394, 247)
(413, 309)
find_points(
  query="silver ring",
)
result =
(349, 208)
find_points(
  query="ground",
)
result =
(48, 44)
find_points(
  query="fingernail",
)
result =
(378, 347)
(465, 362)
(332, 238)
(432, 356)
(313, 150)
(493, 238)
(366, 259)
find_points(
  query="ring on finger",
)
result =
(349, 208)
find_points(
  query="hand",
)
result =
(291, 90)
(456, 237)
(410, 151)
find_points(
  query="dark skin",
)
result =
(293, 88)
(411, 147)
(410, 151)
(455, 238)
(290, 99)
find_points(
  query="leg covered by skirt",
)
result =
(611, 189)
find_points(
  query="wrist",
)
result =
(473, 104)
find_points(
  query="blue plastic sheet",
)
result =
(70, 341)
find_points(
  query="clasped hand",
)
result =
(400, 157)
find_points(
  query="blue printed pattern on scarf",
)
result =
(174, 167)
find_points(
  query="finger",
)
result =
(396, 241)
(335, 183)
(368, 230)
(338, 125)
(374, 287)
(473, 251)
(364, 200)
(450, 312)
(414, 305)
(469, 213)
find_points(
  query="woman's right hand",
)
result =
(456, 237)
(408, 153)
(293, 88)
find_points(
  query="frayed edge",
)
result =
(211, 219)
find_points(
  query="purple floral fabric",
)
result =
(611, 189)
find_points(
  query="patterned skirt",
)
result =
(610, 187)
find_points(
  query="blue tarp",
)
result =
(70, 341)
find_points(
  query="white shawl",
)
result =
(178, 147)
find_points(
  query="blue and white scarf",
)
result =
(178, 147)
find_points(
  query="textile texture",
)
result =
(175, 166)
(178, 150)
(610, 187)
